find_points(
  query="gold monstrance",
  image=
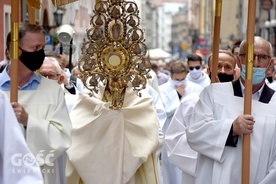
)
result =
(115, 53)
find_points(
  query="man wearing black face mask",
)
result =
(226, 66)
(218, 123)
(40, 110)
(175, 137)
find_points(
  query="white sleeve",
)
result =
(79, 85)
(17, 163)
(170, 99)
(207, 134)
(178, 149)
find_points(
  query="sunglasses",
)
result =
(196, 67)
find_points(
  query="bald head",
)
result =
(262, 49)
(261, 61)
(225, 59)
(260, 44)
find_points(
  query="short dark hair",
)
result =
(24, 27)
(8, 41)
(238, 42)
(233, 48)
(194, 57)
(154, 66)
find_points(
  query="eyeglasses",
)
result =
(50, 75)
(261, 57)
(196, 67)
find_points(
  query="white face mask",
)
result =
(195, 74)
(178, 83)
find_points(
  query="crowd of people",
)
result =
(183, 129)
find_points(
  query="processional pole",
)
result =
(14, 50)
(216, 40)
(31, 14)
(248, 87)
(14, 46)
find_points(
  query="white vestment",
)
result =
(48, 133)
(178, 149)
(4, 62)
(161, 114)
(271, 85)
(70, 99)
(13, 149)
(153, 81)
(209, 129)
(203, 80)
(169, 96)
(157, 103)
(113, 146)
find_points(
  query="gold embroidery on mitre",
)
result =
(114, 54)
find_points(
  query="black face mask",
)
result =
(270, 79)
(32, 60)
(224, 77)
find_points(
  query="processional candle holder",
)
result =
(115, 53)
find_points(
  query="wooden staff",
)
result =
(31, 14)
(216, 39)
(248, 88)
(14, 51)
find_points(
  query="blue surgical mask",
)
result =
(258, 74)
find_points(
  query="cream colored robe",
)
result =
(113, 146)
(49, 127)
